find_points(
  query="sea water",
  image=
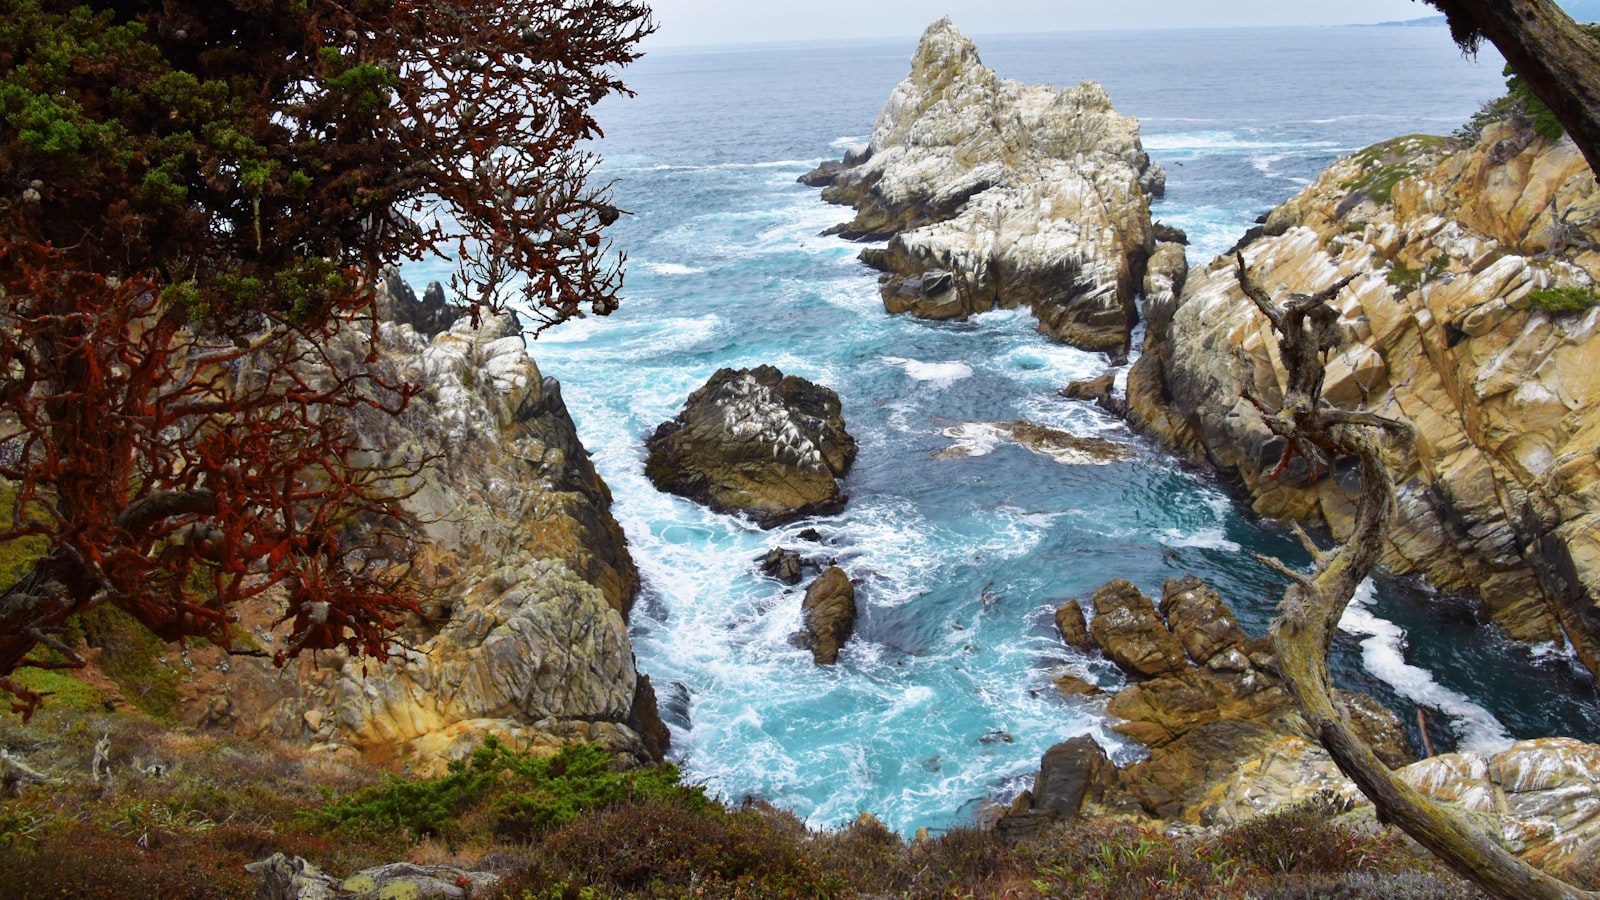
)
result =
(944, 697)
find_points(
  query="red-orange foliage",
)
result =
(196, 202)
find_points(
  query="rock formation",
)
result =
(525, 578)
(285, 878)
(993, 194)
(1447, 328)
(1207, 702)
(980, 439)
(830, 615)
(756, 442)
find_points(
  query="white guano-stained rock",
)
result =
(995, 194)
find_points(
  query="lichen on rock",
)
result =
(993, 194)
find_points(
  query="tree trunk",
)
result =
(1558, 59)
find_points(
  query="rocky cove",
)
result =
(916, 539)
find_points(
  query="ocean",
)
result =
(945, 698)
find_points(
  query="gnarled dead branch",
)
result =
(1308, 330)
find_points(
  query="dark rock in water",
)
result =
(1165, 233)
(830, 615)
(784, 565)
(430, 316)
(812, 535)
(758, 442)
(997, 737)
(1250, 237)
(1101, 391)
(1225, 737)
(1072, 625)
(645, 719)
(1073, 686)
(824, 175)
(1130, 631)
(1067, 774)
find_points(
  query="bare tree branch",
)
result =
(1309, 616)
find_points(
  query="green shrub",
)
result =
(525, 794)
(1519, 101)
(1564, 300)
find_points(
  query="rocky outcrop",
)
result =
(1445, 328)
(757, 442)
(829, 612)
(525, 580)
(992, 195)
(285, 878)
(1208, 703)
(784, 565)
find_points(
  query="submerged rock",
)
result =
(981, 438)
(992, 194)
(1451, 247)
(757, 442)
(830, 615)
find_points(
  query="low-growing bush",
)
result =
(1564, 300)
(524, 794)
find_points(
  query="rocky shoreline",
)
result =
(993, 195)
(1449, 324)
(526, 576)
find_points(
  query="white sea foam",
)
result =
(672, 269)
(1224, 141)
(939, 374)
(1200, 539)
(1383, 649)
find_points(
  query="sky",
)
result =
(703, 22)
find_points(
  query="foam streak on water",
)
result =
(945, 696)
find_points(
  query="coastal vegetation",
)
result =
(198, 207)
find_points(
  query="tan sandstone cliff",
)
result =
(1502, 495)
(526, 579)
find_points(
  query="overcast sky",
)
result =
(697, 22)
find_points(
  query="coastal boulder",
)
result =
(993, 194)
(758, 442)
(1130, 631)
(784, 565)
(830, 615)
(1072, 625)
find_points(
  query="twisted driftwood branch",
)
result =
(1308, 330)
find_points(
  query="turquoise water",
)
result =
(944, 697)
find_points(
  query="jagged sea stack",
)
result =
(993, 194)
(758, 442)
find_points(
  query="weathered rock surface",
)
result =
(285, 878)
(1502, 494)
(1223, 734)
(758, 442)
(1130, 631)
(992, 194)
(1073, 626)
(525, 575)
(829, 611)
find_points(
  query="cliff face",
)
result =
(1446, 330)
(994, 194)
(526, 578)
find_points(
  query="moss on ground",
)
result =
(142, 664)
(1561, 301)
(1387, 164)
